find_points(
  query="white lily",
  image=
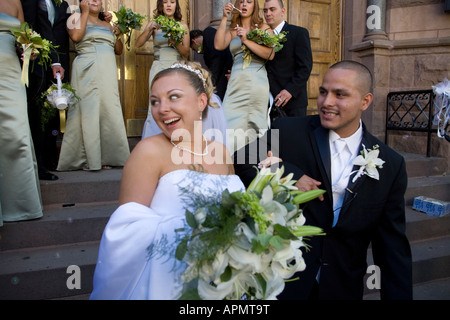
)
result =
(283, 260)
(238, 285)
(368, 162)
(240, 258)
(274, 285)
(213, 271)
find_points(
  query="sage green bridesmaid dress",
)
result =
(20, 195)
(246, 100)
(164, 57)
(95, 131)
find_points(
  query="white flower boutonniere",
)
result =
(59, 2)
(369, 162)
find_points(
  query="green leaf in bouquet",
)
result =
(227, 199)
(284, 232)
(190, 219)
(181, 249)
(289, 206)
(276, 242)
(226, 275)
(281, 196)
(262, 282)
(261, 243)
(127, 21)
(190, 293)
(173, 29)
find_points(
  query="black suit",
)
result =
(35, 12)
(291, 68)
(218, 62)
(373, 212)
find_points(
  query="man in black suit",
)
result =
(218, 62)
(356, 210)
(47, 18)
(289, 71)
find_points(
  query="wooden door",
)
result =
(134, 66)
(322, 18)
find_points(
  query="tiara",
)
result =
(189, 68)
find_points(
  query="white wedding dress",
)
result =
(137, 251)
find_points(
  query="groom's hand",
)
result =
(306, 183)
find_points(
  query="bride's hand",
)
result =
(270, 160)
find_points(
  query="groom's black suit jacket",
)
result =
(35, 12)
(36, 15)
(291, 68)
(373, 213)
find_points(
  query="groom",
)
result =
(48, 19)
(289, 71)
(353, 214)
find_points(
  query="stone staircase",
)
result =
(35, 255)
(429, 236)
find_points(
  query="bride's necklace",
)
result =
(190, 151)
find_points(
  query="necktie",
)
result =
(339, 175)
(51, 11)
(338, 161)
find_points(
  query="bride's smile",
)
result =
(175, 105)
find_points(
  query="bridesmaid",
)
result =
(95, 135)
(247, 97)
(164, 55)
(20, 196)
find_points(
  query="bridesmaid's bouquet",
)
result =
(33, 45)
(246, 246)
(127, 21)
(264, 38)
(57, 97)
(174, 30)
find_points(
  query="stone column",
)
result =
(375, 20)
(217, 10)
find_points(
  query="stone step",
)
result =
(431, 259)
(418, 165)
(86, 222)
(434, 290)
(426, 177)
(60, 225)
(42, 273)
(420, 226)
(437, 187)
(74, 187)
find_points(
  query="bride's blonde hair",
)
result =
(198, 77)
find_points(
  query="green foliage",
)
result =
(127, 21)
(174, 30)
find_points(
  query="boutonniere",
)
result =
(369, 163)
(59, 2)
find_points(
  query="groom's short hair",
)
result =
(364, 75)
(280, 2)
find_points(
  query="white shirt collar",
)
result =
(353, 142)
(280, 27)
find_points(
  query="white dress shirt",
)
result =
(278, 29)
(342, 165)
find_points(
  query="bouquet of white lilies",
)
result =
(246, 246)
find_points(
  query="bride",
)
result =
(162, 175)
